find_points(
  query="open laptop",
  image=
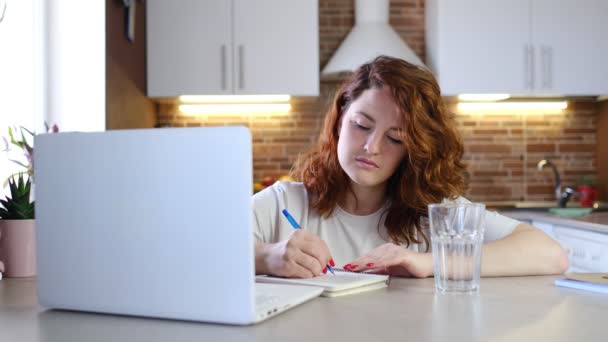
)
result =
(152, 222)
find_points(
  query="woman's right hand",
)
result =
(303, 255)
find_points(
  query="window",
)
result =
(22, 71)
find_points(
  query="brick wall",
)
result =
(501, 151)
(277, 140)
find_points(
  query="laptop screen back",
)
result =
(152, 222)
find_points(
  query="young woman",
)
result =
(387, 150)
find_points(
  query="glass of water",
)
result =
(457, 239)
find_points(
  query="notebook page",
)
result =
(338, 282)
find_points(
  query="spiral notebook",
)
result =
(594, 282)
(341, 284)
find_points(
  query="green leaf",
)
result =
(10, 134)
(21, 185)
(27, 130)
(25, 145)
(28, 186)
(13, 141)
(18, 206)
(22, 136)
(6, 182)
(12, 186)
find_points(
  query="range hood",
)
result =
(371, 36)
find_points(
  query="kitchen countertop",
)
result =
(597, 222)
(506, 309)
(537, 204)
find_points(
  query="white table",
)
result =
(506, 309)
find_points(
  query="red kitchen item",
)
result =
(588, 195)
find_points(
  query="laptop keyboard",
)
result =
(264, 300)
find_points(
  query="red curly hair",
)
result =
(431, 170)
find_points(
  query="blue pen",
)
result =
(295, 225)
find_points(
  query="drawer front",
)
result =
(587, 251)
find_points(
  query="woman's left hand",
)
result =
(394, 260)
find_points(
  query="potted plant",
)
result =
(17, 249)
(17, 234)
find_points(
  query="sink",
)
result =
(527, 205)
(570, 212)
(573, 210)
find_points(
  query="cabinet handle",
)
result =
(549, 67)
(543, 60)
(532, 67)
(223, 65)
(241, 67)
(528, 66)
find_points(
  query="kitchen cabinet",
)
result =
(200, 47)
(526, 47)
(587, 250)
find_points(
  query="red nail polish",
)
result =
(353, 267)
(331, 262)
(325, 270)
(370, 264)
(347, 267)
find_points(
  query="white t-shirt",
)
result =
(348, 236)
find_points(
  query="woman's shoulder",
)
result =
(283, 192)
(289, 187)
(284, 188)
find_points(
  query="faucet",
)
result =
(562, 196)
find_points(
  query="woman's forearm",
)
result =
(527, 251)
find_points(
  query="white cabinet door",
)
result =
(587, 251)
(189, 47)
(521, 47)
(480, 46)
(276, 47)
(200, 47)
(571, 46)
